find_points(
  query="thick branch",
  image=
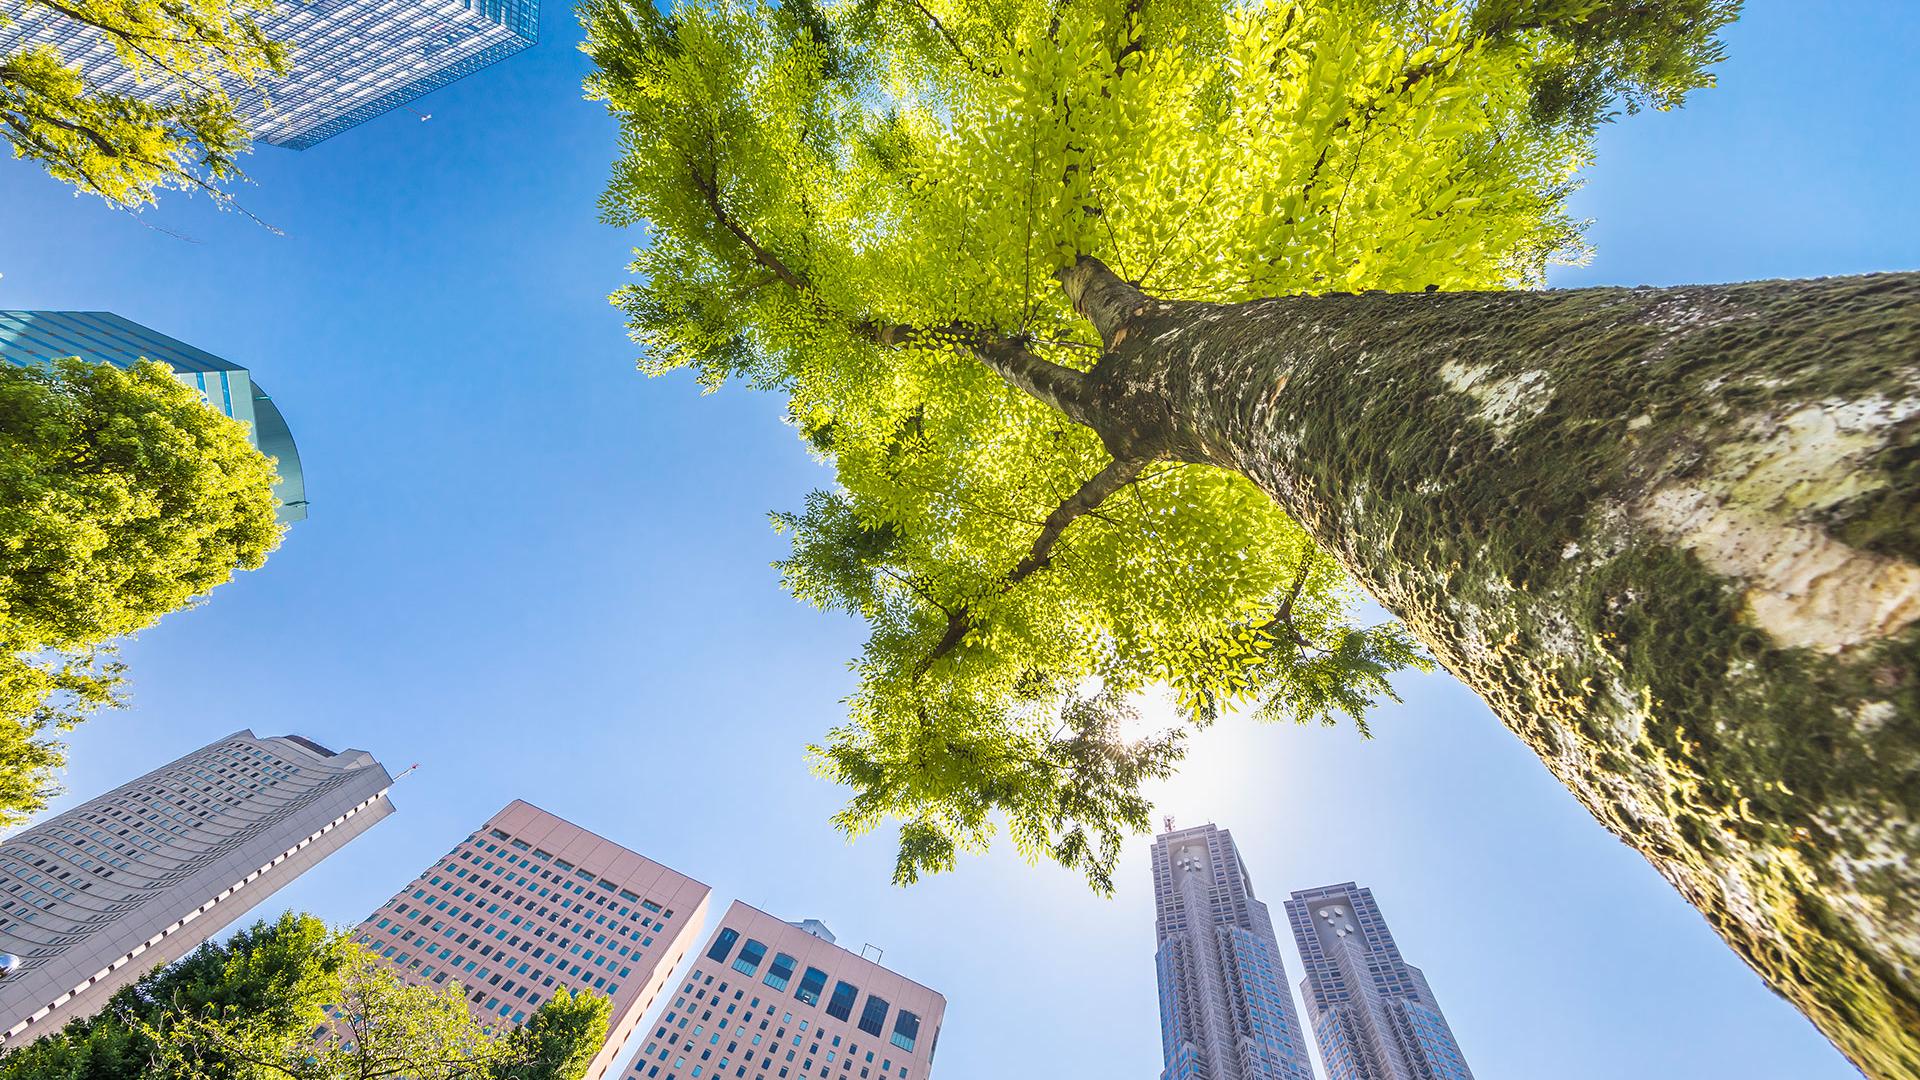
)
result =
(1100, 295)
(1056, 385)
(1116, 475)
(1062, 387)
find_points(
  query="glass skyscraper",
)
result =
(37, 337)
(352, 60)
(1373, 1014)
(1225, 1010)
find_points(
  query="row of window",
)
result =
(873, 1017)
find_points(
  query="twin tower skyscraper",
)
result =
(1225, 1010)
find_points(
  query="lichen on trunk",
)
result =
(1669, 535)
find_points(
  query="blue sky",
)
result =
(541, 575)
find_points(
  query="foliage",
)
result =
(179, 130)
(294, 1001)
(122, 497)
(863, 206)
(1595, 52)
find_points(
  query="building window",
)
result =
(723, 945)
(906, 1029)
(874, 1017)
(780, 972)
(840, 1007)
(750, 956)
(811, 984)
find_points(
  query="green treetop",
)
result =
(123, 496)
(180, 132)
(291, 1000)
(1136, 330)
(864, 207)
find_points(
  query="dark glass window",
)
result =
(780, 972)
(723, 945)
(811, 984)
(841, 1005)
(906, 1029)
(873, 1018)
(750, 956)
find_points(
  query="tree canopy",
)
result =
(291, 1000)
(123, 496)
(178, 131)
(863, 206)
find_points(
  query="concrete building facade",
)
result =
(776, 1000)
(1374, 1016)
(29, 338)
(530, 902)
(352, 60)
(1225, 1010)
(95, 897)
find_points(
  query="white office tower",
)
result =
(96, 897)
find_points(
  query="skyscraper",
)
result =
(36, 337)
(1225, 1010)
(94, 898)
(1373, 1014)
(775, 1000)
(352, 60)
(531, 902)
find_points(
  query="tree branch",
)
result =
(711, 191)
(1116, 475)
(952, 42)
(1083, 501)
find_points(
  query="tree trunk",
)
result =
(1670, 536)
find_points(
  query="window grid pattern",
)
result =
(721, 1024)
(352, 59)
(1374, 1016)
(149, 862)
(1225, 1010)
(509, 921)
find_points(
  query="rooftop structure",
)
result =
(777, 1000)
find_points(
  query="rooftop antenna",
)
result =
(424, 116)
(1167, 822)
(878, 952)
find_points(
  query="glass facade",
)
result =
(352, 59)
(37, 337)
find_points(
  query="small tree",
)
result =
(180, 132)
(122, 497)
(1139, 332)
(292, 1000)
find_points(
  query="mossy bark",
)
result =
(1670, 536)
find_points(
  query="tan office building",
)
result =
(532, 902)
(97, 896)
(776, 1000)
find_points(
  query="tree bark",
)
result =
(1670, 536)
